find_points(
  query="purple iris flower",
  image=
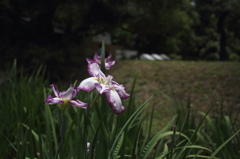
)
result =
(97, 59)
(113, 91)
(65, 97)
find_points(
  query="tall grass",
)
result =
(21, 103)
(31, 129)
(217, 128)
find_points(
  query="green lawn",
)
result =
(173, 83)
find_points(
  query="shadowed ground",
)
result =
(172, 83)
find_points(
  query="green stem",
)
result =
(103, 58)
(62, 124)
(94, 100)
(87, 115)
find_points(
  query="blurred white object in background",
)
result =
(146, 57)
(165, 57)
(156, 56)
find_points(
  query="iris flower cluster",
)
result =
(103, 84)
(97, 59)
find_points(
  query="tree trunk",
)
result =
(223, 38)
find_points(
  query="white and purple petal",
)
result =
(88, 84)
(51, 100)
(88, 147)
(109, 64)
(60, 94)
(115, 102)
(90, 60)
(102, 88)
(94, 70)
(77, 103)
(121, 90)
(108, 80)
(109, 57)
(70, 93)
(55, 90)
(96, 57)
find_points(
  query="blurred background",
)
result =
(62, 33)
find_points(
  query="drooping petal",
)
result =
(70, 93)
(121, 90)
(94, 70)
(51, 100)
(77, 103)
(115, 102)
(109, 64)
(55, 90)
(102, 88)
(88, 84)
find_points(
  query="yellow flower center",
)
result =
(101, 80)
(65, 101)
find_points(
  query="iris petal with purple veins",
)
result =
(97, 59)
(88, 84)
(113, 91)
(65, 97)
(115, 102)
(121, 90)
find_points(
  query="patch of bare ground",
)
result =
(172, 83)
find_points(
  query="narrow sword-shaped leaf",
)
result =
(220, 147)
(130, 120)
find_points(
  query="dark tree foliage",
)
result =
(215, 14)
(194, 29)
(27, 30)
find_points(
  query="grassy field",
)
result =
(33, 129)
(171, 83)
